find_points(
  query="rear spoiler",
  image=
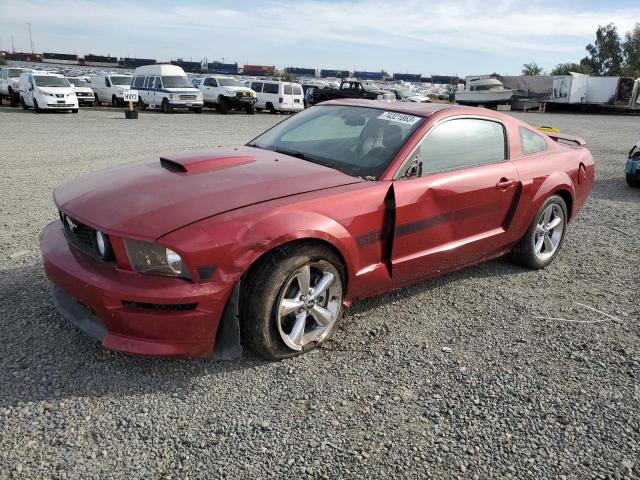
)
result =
(566, 138)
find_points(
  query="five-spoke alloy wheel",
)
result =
(291, 300)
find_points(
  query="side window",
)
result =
(460, 143)
(256, 86)
(288, 90)
(148, 82)
(531, 141)
(270, 88)
(157, 84)
(297, 90)
(206, 82)
(214, 82)
(107, 83)
(138, 82)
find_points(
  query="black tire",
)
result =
(251, 109)
(14, 98)
(166, 108)
(97, 100)
(24, 105)
(75, 110)
(223, 106)
(196, 110)
(262, 289)
(258, 109)
(141, 105)
(271, 108)
(524, 252)
(114, 101)
(632, 182)
(36, 108)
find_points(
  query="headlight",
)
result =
(173, 96)
(103, 246)
(152, 258)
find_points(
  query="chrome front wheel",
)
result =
(309, 305)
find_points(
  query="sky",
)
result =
(437, 37)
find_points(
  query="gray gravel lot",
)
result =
(454, 378)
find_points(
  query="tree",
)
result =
(605, 54)
(2, 61)
(532, 69)
(631, 52)
(565, 68)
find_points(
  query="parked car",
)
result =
(632, 169)
(345, 200)
(166, 87)
(46, 91)
(349, 88)
(408, 96)
(109, 87)
(226, 93)
(277, 97)
(10, 84)
(83, 91)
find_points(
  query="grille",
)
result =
(178, 307)
(188, 97)
(81, 236)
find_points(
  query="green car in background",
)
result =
(633, 167)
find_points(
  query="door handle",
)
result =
(505, 182)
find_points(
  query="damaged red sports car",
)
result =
(262, 245)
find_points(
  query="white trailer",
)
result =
(570, 88)
(603, 92)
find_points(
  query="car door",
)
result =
(459, 209)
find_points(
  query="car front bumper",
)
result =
(240, 103)
(130, 312)
(186, 103)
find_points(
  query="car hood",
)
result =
(83, 89)
(56, 90)
(237, 89)
(182, 90)
(150, 198)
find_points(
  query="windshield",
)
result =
(120, 80)
(229, 82)
(358, 141)
(404, 93)
(176, 82)
(15, 72)
(78, 82)
(50, 81)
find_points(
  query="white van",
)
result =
(83, 90)
(110, 87)
(226, 93)
(277, 96)
(46, 91)
(166, 87)
(10, 84)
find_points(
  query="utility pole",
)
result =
(30, 39)
(13, 47)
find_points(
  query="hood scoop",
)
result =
(201, 162)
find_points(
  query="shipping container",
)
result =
(66, 58)
(21, 56)
(259, 70)
(99, 61)
(334, 73)
(138, 62)
(364, 75)
(308, 72)
(443, 79)
(529, 86)
(570, 88)
(408, 77)
(223, 68)
(192, 67)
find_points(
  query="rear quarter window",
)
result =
(297, 90)
(288, 90)
(531, 142)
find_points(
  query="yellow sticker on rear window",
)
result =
(399, 117)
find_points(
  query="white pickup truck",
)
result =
(226, 93)
(10, 84)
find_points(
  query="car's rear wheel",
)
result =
(291, 301)
(632, 181)
(542, 242)
(271, 108)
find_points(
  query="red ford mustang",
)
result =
(194, 254)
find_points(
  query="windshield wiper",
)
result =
(255, 145)
(292, 153)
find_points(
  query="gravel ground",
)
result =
(461, 377)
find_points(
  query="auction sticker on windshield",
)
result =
(399, 117)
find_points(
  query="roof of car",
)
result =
(411, 108)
